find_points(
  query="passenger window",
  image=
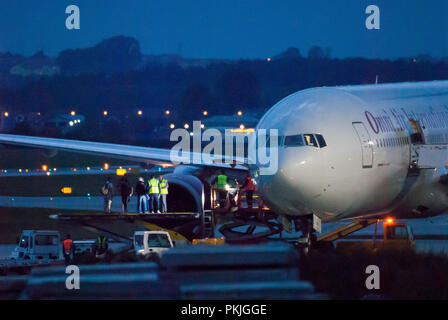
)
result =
(310, 140)
(321, 140)
(294, 141)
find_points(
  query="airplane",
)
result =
(344, 152)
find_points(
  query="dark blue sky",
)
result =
(230, 28)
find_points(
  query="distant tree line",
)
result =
(224, 87)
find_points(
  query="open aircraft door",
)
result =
(416, 132)
(366, 145)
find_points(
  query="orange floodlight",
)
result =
(66, 190)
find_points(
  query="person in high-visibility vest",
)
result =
(248, 187)
(154, 191)
(221, 187)
(102, 244)
(68, 250)
(163, 183)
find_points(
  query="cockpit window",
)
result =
(310, 140)
(294, 141)
(321, 140)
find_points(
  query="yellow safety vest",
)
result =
(222, 181)
(164, 186)
(102, 242)
(153, 186)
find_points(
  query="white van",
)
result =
(38, 245)
(147, 243)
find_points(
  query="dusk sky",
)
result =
(230, 28)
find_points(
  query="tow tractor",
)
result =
(35, 248)
(396, 235)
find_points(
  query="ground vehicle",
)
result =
(395, 235)
(84, 247)
(85, 251)
(147, 243)
(38, 245)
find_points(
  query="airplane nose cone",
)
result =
(293, 187)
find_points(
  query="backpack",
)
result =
(104, 190)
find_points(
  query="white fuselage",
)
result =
(364, 167)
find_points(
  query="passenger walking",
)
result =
(154, 194)
(141, 191)
(108, 192)
(163, 183)
(126, 191)
(68, 250)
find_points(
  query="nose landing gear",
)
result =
(308, 225)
